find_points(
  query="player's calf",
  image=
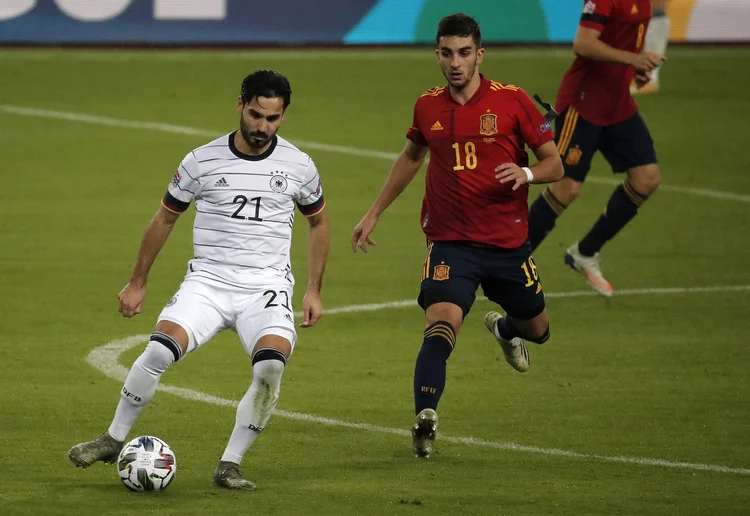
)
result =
(622, 207)
(162, 351)
(534, 330)
(143, 379)
(550, 204)
(430, 368)
(540, 338)
(253, 413)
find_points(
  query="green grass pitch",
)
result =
(660, 375)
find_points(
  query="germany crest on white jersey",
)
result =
(244, 209)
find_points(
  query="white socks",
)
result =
(253, 412)
(257, 405)
(657, 38)
(141, 383)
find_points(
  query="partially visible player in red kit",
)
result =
(474, 212)
(598, 113)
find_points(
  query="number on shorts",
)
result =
(532, 274)
(274, 295)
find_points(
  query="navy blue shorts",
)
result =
(624, 145)
(453, 271)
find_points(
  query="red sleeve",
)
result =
(414, 133)
(595, 14)
(534, 128)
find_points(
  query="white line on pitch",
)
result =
(372, 307)
(106, 359)
(340, 149)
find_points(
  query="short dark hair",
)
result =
(266, 83)
(459, 24)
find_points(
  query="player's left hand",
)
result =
(312, 309)
(511, 172)
(642, 78)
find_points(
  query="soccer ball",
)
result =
(146, 464)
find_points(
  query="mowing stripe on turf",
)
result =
(372, 307)
(325, 147)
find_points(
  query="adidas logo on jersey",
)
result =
(437, 126)
(221, 182)
(634, 10)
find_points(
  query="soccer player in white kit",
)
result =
(245, 185)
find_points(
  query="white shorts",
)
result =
(204, 310)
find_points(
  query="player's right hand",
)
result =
(647, 61)
(641, 79)
(131, 300)
(361, 235)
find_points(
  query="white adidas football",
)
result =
(146, 464)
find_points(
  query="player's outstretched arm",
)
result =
(131, 297)
(402, 172)
(587, 44)
(318, 243)
(548, 169)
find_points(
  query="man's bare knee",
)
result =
(565, 190)
(645, 180)
(175, 331)
(447, 312)
(276, 342)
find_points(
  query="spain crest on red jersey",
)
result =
(488, 124)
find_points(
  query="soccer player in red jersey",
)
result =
(598, 113)
(474, 212)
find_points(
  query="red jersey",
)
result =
(600, 91)
(463, 201)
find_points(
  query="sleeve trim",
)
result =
(173, 204)
(308, 210)
(598, 19)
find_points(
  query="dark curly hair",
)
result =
(266, 83)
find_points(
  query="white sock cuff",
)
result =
(156, 358)
(266, 354)
(168, 342)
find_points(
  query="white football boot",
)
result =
(591, 269)
(514, 349)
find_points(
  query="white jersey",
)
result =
(244, 209)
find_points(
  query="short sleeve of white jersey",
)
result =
(310, 196)
(184, 186)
